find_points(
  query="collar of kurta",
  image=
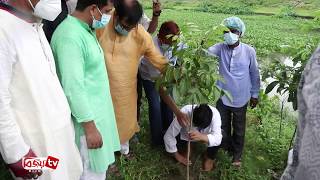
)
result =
(235, 48)
(15, 12)
(81, 23)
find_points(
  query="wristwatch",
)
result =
(157, 14)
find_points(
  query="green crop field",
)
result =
(265, 33)
(301, 7)
(266, 144)
(266, 148)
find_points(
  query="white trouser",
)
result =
(125, 148)
(88, 174)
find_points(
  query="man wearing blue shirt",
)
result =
(239, 67)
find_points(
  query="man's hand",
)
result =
(19, 172)
(93, 136)
(254, 102)
(197, 136)
(181, 159)
(156, 8)
(183, 119)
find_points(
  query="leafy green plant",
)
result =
(313, 25)
(205, 6)
(225, 8)
(286, 77)
(195, 76)
(288, 11)
(266, 108)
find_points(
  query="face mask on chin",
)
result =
(46, 9)
(120, 30)
(165, 47)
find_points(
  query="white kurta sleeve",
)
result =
(12, 145)
(174, 129)
(215, 137)
(145, 21)
(170, 136)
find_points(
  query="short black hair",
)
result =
(131, 13)
(202, 116)
(83, 4)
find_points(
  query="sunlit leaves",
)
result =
(287, 77)
(194, 78)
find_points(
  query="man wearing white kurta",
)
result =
(34, 113)
(207, 129)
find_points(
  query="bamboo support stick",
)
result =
(189, 144)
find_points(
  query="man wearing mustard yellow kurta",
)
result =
(124, 42)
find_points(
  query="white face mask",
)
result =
(231, 38)
(47, 9)
(71, 4)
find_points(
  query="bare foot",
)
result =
(128, 157)
(208, 164)
(236, 163)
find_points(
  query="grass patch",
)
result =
(264, 156)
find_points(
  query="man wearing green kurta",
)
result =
(83, 75)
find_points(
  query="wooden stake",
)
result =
(188, 167)
(189, 143)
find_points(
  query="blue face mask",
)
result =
(120, 30)
(105, 18)
(231, 38)
(165, 47)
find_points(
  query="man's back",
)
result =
(306, 150)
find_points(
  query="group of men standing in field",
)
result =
(75, 99)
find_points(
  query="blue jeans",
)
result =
(160, 115)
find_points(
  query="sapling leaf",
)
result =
(271, 86)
